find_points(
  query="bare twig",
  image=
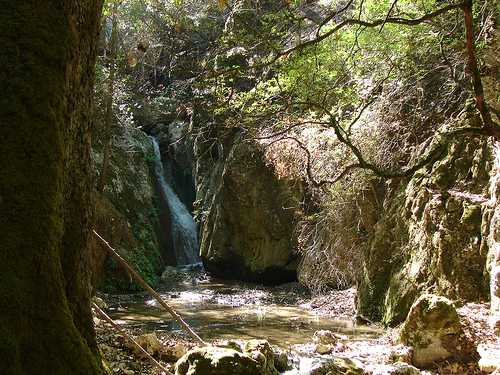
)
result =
(130, 339)
(388, 14)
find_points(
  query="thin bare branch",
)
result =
(130, 339)
(151, 291)
(489, 126)
(388, 14)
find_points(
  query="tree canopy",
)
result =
(338, 93)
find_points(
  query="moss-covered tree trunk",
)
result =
(47, 53)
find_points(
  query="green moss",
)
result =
(39, 322)
(151, 160)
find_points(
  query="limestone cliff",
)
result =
(129, 214)
(432, 236)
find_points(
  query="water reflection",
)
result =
(221, 311)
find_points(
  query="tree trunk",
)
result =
(489, 126)
(109, 101)
(47, 54)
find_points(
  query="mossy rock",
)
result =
(337, 366)
(256, 359)
(429, 239)
(220, 361)
(433, 330)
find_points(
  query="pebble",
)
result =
(323, 349)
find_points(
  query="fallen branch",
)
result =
(130, 339)
(151, 291)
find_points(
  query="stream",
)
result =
(218, 309)
(229, 310)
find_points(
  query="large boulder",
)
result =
(433, 330)
(246, 215)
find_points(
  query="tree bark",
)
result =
(109, 101)
(489, 126)
(47, 55)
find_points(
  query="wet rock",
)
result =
(281, 362)
(398, 368)
(336, 366)
(171, 274)
(433, 329)
(261, 351)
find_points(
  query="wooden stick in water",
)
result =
(151, 291)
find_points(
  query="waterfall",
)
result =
(184, 232)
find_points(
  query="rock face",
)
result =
(491, 219)
(129, 214)
(257, 359)
(430, 238)
(246, 215)
(433, 330)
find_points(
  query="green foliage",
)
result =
(317, 94)
(151, 160)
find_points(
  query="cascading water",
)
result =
(183, 225)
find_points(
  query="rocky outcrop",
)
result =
(129, 214)
(246, 214)
(430, 238)
(491, 219)
(111, 225)
(433, 330)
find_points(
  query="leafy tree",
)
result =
(337, 92)
(46, 74)
(323, 66)
(344, 93)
